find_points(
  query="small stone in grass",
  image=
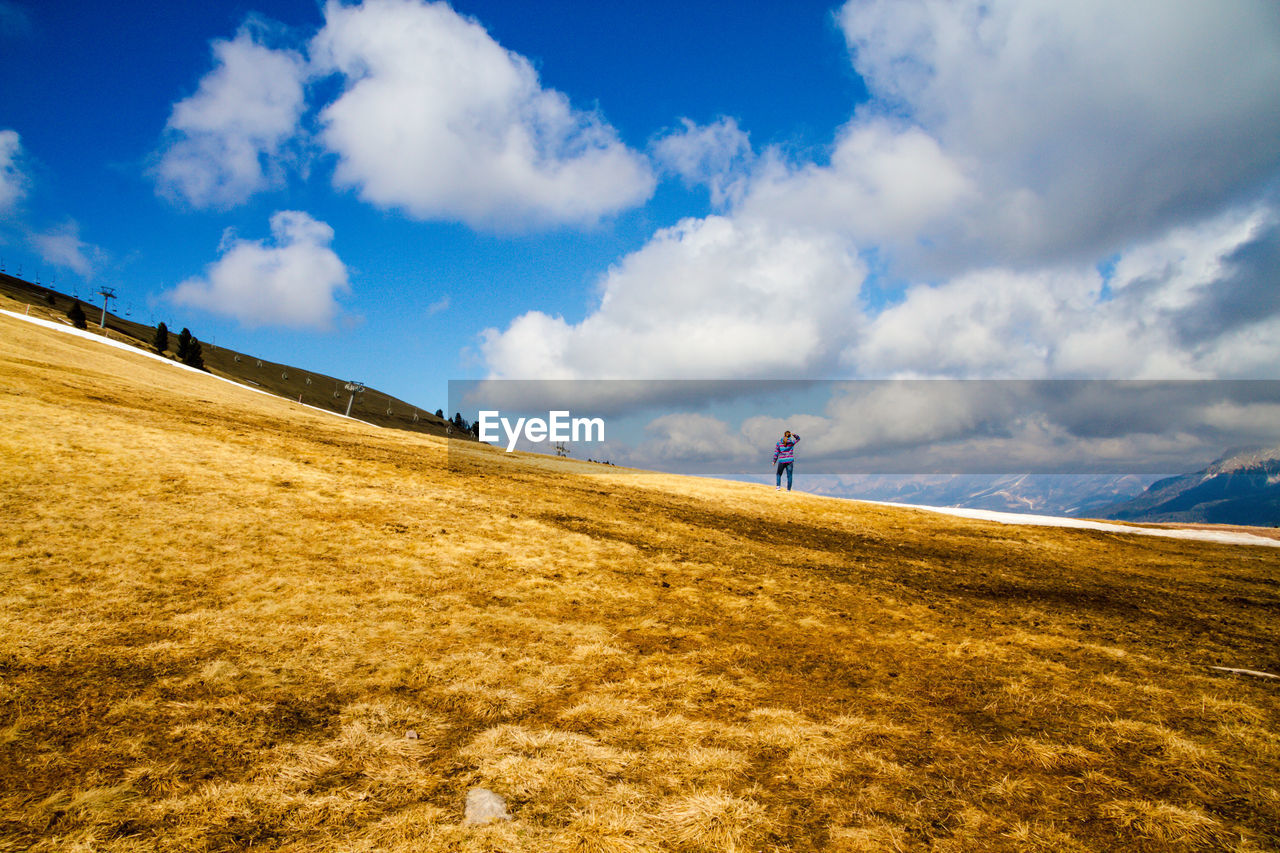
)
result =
(484, 806)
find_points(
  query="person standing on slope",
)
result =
(784, 456)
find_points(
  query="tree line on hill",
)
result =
(461, 424)
(189, 351)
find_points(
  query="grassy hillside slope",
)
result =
(292, 383)
(222, 612)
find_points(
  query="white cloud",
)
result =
(1250, 352)
(884, 183)
(718, 155)
(290, 281)
(439, 120)
(226, 142)
(690, 437)
(1180, 264)
(13, 180)
(739, 297)
(1011, 151)
(62, 246)
(715, 297)
(1142, 322)
(1090, 123)
(991, 322)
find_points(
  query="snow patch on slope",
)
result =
(1222, 536)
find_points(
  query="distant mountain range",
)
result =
(1079, 495)
(1242, 487)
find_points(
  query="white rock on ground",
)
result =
(484, 806)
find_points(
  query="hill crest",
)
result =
(288, 381)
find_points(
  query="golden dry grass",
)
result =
(221, 613)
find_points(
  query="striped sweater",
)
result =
(785, 449)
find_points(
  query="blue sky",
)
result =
(405, 193)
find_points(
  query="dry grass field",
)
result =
(221, 612)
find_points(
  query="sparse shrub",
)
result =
(195, 355)
(161, 341)
(184, 343)
(189, 350)
(76, 316)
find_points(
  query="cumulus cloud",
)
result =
(991, 322)
(718, 155)
(1193, 303)
(13, 180)
(1173, 307)
(63, 247)
(291, 280)
(885, 183)
(440, 121)
(1041, 189)
(1210, 289)
(1090, 124)
(709, 297)
(687, 437)
(226, 142)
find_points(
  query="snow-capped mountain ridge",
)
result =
(1241, 487)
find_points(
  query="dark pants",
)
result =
(787, 467)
